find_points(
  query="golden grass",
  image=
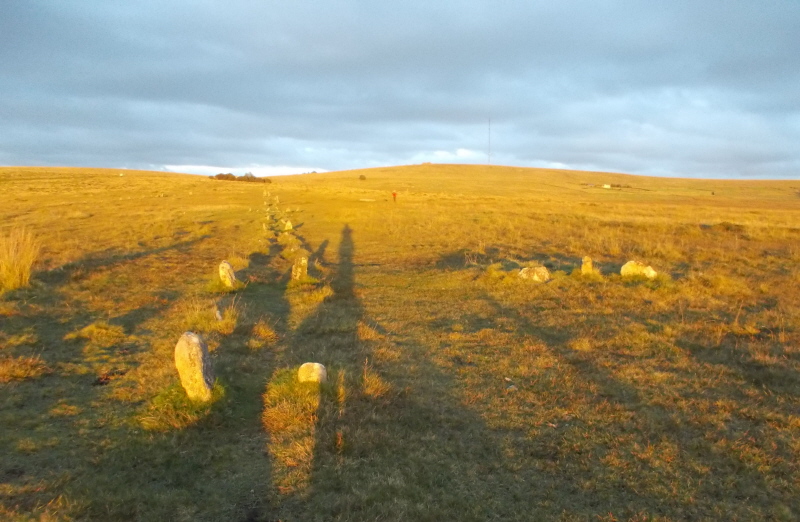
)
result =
(265, 332)
(482, 397)
(19, 368)
(19, 250)
(290, 417)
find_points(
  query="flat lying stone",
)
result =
(635, 268)
(540, 274)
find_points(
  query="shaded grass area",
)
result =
(456, 391)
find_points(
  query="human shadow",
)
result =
(394, 431)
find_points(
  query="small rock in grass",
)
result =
(226, 274)
(287, 226)
(194, 367)
(312, 372)
(540, 274)
(635, 268)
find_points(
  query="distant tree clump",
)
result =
(248, 176)
(362, 177)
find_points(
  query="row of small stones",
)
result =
(192, 359)
(631, 268)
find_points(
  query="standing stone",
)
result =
(635, 268)
(540, 274)
(586, 266)
(312, 372)
(287, 226)
(194, 367)
(226, 274)
(300, 268)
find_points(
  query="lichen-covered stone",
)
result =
(300, 268)
(226, 274)
(635, 268)
(312, 372)
(194, 367)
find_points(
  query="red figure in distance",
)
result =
(394, 196)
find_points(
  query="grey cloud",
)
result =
(693, 88)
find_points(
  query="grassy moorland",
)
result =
(456, 390)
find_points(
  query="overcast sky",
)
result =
(660, 87)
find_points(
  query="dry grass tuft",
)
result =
(367, 332)
(18, 252)
(99, 333)
(374, 385)
(20, 368)
(265, 332)
(230, 318)
(203, 315)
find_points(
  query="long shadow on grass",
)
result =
(62, 438)
(83, 268)
(390, 441)
(52, 430)
(607, 458)
(509, 258)
(199, 462)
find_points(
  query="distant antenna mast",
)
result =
(489, 152)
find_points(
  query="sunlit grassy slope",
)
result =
(456, 391)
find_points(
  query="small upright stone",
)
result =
(635, 268)
(300, 268)
(586, 266)
(287, 226)
(312, 372)
(194, 367)
(226, 274)
(540, 274)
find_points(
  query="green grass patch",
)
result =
(171, 409)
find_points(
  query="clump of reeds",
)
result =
(18, 252)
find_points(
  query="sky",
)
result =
(698, 88)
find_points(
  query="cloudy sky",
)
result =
(660, 87)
